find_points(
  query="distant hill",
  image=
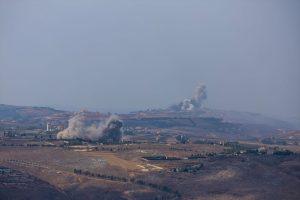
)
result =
(235, 117)
(19, 115)
(9, 112)
(246, 118)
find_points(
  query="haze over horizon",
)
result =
(135, 55)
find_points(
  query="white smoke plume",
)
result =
(195, 102)
(77, 129)
(187, 104)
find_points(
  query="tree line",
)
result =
(126, 180)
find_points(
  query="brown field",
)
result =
(230, 177)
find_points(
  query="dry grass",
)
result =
(113, 160)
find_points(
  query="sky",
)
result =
(126, 55)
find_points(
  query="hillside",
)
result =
(27, 115)
(245, 118)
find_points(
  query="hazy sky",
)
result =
(135, 54)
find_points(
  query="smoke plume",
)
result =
(108, 130)
(195, 102)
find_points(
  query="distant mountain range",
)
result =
(40, 115)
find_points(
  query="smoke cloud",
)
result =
(108, 130)
(195, 102)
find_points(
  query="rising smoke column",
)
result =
(110, 129)
(195, 102)
(199, 96)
